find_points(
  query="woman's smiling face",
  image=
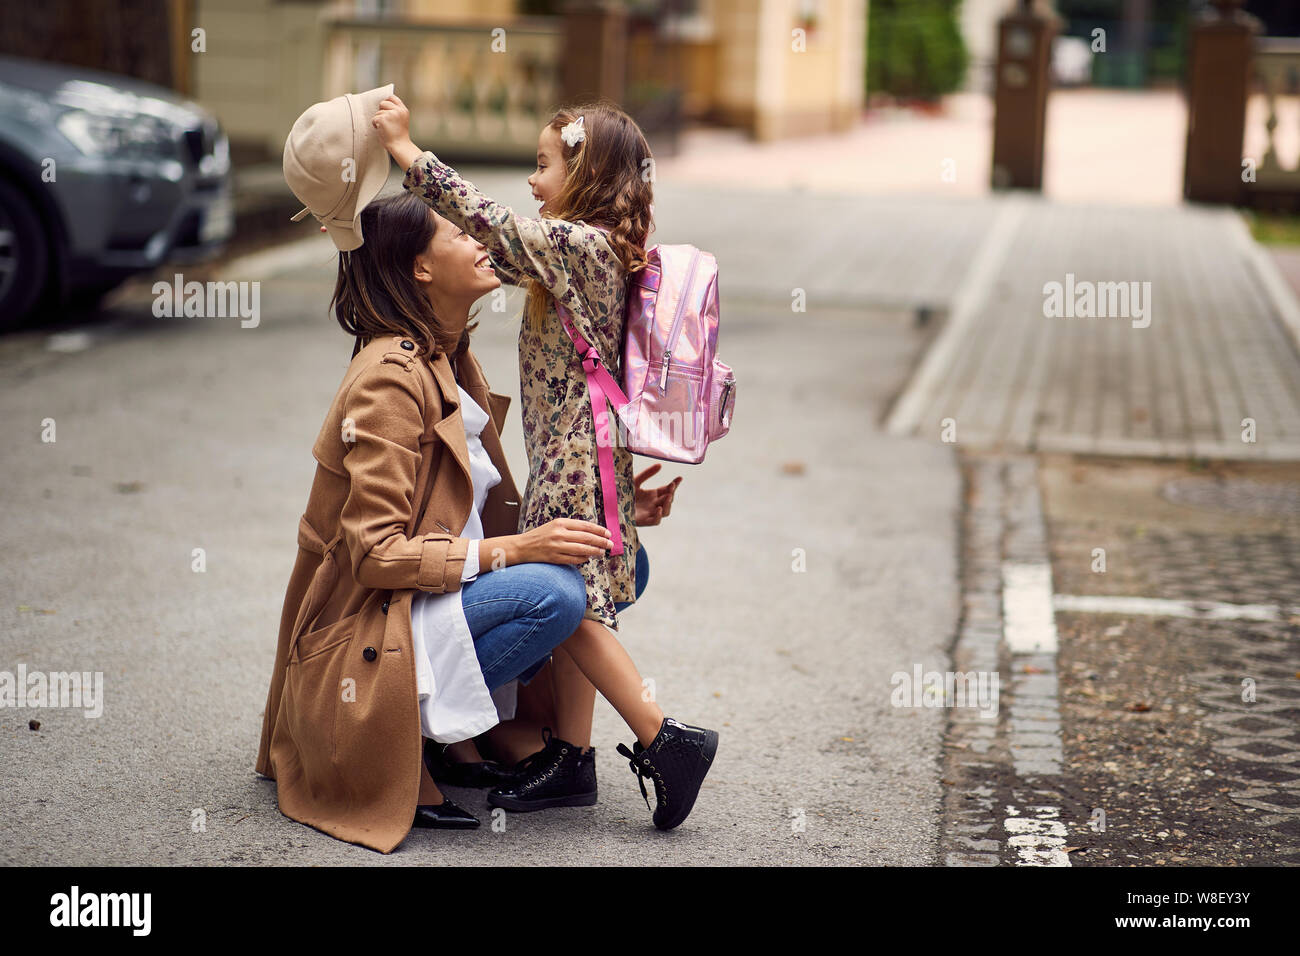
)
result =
(454, 267)
(548, 180)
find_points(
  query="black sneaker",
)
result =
(676, 761)
(558, 775)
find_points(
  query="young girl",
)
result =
(593, 186)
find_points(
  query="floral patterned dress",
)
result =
(575, 263)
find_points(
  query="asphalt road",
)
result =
(175, 434)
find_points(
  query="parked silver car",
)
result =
(101, 176)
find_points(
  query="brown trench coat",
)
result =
(341, 732)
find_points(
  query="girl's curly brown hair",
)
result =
(607, 183)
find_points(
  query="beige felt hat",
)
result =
(335, 164)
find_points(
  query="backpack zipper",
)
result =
(677, 318)
(727, 384)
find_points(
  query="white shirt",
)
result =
(454, 700)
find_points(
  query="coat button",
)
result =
(369, 654)
(408, 345)
(384, 607)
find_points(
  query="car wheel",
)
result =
(24, 255)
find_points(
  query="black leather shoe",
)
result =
(483, 773)
(558, 775)
(444, 816)
(676, 762)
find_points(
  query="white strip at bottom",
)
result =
(1040, 839)
(1204, 610)
(1029, 630)
(1028, 622)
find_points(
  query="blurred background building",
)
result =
(876, 86)
(479, 75)
(673, 63)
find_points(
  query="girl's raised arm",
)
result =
(551, 251)
(558, 254)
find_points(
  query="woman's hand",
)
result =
(653, 504)
(560, 541)
(392, 124)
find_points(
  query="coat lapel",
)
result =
(492, 403)
(451, 429)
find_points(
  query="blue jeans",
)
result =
(517, 615)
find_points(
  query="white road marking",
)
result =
(1038, 840)
(1028, 622)
(1203, 610)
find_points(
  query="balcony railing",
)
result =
(466, 100)
(1273, 116)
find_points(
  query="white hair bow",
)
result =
(574, 133)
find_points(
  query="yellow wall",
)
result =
(766, 85)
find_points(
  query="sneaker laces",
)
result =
(642, 773)
(531, 766)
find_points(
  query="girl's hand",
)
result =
(653, 504)
(565, 541)
(392, 124)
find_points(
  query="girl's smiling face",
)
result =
(548, 180)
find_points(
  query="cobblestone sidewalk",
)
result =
(1159, 722)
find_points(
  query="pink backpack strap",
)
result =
(601, 388)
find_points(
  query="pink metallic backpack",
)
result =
(676, 396)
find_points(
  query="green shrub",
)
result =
(915, 48)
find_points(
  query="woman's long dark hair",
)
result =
(376, 292)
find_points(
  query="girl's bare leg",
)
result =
(514, 740)
(605, 663)
(464, 751)
(575, 698)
